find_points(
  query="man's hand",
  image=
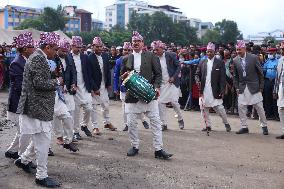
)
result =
(171, 80)
(74, 87)
(60, 80)
(275, 96)
(238, 91)
(123, 76)
(157, 92)
(97, 92)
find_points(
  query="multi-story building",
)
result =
(73, 22)
(77, 19)
(205, 26)
(12, 16)
(259, 38)
(120, 12)
(97, 24)
(84, 16)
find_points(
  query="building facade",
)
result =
(259, 38)
(97, 24)
(120, 12)
(77, 19)
(12, 16)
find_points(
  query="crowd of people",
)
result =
(54, 82)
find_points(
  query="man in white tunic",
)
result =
(64, 100)
(249, 82)
(170, 83)
(101, 83)
(211, 77)
(278, 91)
(118, 87)
(36, 107)
(83, 96)
(148, 66)
(25, 47)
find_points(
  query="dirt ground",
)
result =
(221, 160)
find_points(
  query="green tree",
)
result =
(50, 20)
(54, 19)
(31, 23)
(228, 30)
(211, 36)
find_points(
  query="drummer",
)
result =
(170, 82)
(148, 66)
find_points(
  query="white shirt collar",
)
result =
(135, 53)
(212, 60)
(43, 53)
(25, 58)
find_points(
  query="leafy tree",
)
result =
(50, 20)
(228, 30)
(31, 23)
(211, 36)
(53, 19)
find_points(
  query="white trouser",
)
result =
(281, 116)
(220, 110)
(94, 114)
(260, 111)
(163, 112)
(155, 124)
(140, 116)
(20, 141)
(87, 109)
(63, 127)
(38, 149)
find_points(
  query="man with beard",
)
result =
(148, 66)
(127, 49)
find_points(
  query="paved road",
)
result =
(221, 160)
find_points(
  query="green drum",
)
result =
(139, 87)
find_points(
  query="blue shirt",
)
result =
(270, 68)
(117, 83)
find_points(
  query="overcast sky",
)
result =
(252, 16)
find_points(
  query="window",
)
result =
(110, 20)
(110, 25)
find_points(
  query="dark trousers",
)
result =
(269, 104)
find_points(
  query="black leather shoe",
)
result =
(132, 151)
(12, 155)
(162, 154)
(164, 127)
(242, 131)
(145, 124)
(280, 137)
(125, 128)
(27, 168)
(228, 127)
(47, 182)
(205, 129)
(264, 130)
(181, 124)
(86, 131)
(77, 136)
(33, 166)
(50, 152)
(71, 146)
